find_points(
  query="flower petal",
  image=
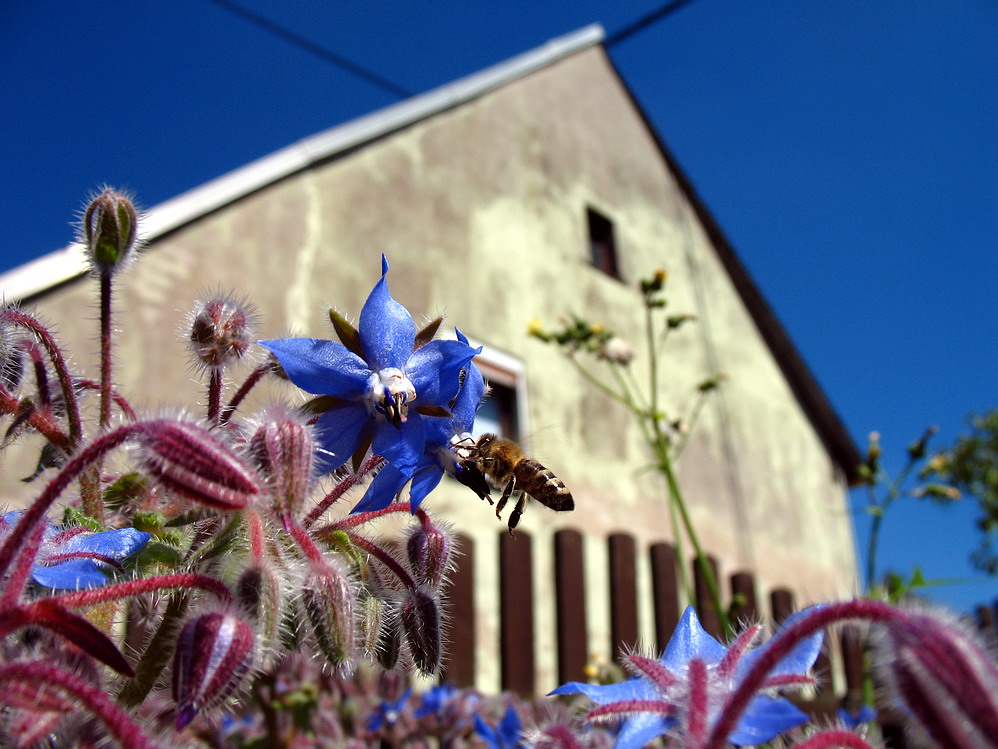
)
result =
(116, 544)
(382, 490)
(797, 661)
(321, 367)
(424, 481)
(435, 370)
(638, 731)
(764, 719)
(387, 331)
(402, 447)
(338, 433)
(604, 694)
(691, 640)
(73, 574)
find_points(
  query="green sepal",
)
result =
(320, 404)
(347, 333)
(128, 487)
(150, 522)
(71, 516)
(156, 552)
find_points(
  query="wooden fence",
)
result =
(517, 620)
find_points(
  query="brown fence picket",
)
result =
(745, 608)
(665, 592)
(781, 601)
(623, 593)
(516, 613)
(570, 606)
(705, 603)
(459, 594)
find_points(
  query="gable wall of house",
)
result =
(481, 211)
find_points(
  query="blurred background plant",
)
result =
(664, 432)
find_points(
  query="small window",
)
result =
(498, 413)
(504, 411)
(602, 247)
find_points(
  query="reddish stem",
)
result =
(124, 730)
(105, 349)
(41, 421)
(137, 587)
(42, 333)
(827, 739)
(351, 521)
(340, 489)
(254, 377)
(215, 395)
(117, 398)
(387, 559)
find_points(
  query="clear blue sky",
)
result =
(849, 150)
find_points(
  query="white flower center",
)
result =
(390, 392)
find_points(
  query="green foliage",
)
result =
(971, 466)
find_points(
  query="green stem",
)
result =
(157, 653)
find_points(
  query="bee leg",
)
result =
(506, 492)
(514, 516)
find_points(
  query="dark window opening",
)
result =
(498, 413)
(602, 247)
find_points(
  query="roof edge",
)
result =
(68, 263)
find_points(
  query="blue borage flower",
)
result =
(440, 434)
(506, 735)
(658, 700)
(76, 558)
(388, 712)
(375, 382)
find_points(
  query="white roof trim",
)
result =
(67, 263)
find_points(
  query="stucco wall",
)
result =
(481, 211)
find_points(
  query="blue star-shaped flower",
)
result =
(506, 735)
(658, 699)
(75, 558)
(388, 712)
(440, 434)
(377, 383)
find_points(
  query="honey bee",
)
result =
(506, 464)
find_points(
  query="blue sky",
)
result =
(849, 151)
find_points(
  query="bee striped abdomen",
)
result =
(541, 484)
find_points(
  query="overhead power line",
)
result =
(316, 49)
(644, 22)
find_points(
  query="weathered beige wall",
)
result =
(481, 211)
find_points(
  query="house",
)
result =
(533, 189)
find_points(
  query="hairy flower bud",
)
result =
(190, 460)
(214, 653)
(221, 331)
(945, 677)
(328, 600)
(258, 590)
(420, 617)
(109, 231)
(430, 549)
(11, 356)
(282, 448)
